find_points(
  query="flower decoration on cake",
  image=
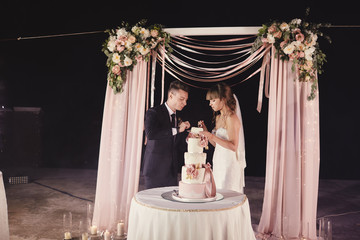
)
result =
(127, 45)
(296, 41)
(204, 141)
(192, 171)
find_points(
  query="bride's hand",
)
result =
(207, 134)
(202, 125)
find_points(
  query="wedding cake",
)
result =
(196, 176)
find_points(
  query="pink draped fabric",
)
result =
(120, 150)
(292, 165)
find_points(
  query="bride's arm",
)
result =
(233, 127)
(206, 132)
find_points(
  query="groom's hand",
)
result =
(184, 125)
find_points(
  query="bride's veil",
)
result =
(241, 147)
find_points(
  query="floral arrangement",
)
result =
(296, 41)
(127, 45)
(192, 171)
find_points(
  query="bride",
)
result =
(227, 137)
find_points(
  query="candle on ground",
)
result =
(120, 229)
(106, 235)
(67, 235)
(93, 230)
(84, 236)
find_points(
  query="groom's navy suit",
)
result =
(162, 149)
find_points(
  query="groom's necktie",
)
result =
(173, 121)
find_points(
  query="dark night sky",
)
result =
(66, 76)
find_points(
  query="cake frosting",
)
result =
(193, 184)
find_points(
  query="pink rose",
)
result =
(296, 30)
(120, 48)
(191, 171)
(116, 69)
(292, 56)
(121, 40)
(283, 43)
(154, 33)
(277, 34)
(132, 39)
(138, 58)
(204, 141)
(272, 29)
(299, 37)
(301, 54)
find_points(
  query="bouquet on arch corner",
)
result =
(126, 45)
(296, 41)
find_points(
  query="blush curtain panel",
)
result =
(120, 150)
(293, 157)
(292, 164)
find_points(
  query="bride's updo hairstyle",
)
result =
(223, 92)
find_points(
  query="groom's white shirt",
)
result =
(174, 130)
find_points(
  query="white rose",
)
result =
(111, 45)
(284, 26)
(145, 33)
(314, 38)
(270, 38)
(308, 53)
(296, 21)
(127, 61)
(289, 49)
(135, 30)
(128, 45)
(144, 51)
(121, 32)
(116, 58)
(138, 47)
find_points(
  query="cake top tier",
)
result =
(196, 130)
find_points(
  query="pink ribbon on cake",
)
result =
(210, 187)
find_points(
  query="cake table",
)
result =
(153, 217)
(4, 225)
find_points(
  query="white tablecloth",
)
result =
(154, 218)
(4, 224)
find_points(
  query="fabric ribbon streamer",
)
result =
(190, 62)
(265, 69)
(210, 187)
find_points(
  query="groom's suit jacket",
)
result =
(162, 148)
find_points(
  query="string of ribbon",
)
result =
(186, 64)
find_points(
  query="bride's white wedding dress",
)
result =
(228, 166)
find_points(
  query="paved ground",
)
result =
(36, 209)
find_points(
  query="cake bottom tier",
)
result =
(193, 191)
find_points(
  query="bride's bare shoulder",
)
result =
(233, 119)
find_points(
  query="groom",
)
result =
(165, 133)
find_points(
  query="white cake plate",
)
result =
(178, 198)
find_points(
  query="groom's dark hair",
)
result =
(177, 85)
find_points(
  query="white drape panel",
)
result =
(292, 164)
(4, 222)
(120, 150)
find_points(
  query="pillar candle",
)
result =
(84, 236)
(120, 229)
(106, 235)
(93, 230)
(67, 235)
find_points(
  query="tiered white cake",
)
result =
(192, 183)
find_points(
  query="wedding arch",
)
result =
(292, 164)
